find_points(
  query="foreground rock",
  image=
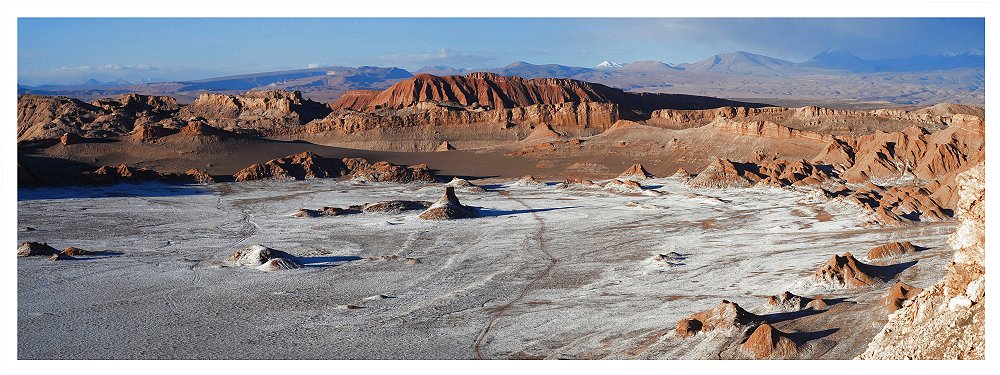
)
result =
(948, 319)
(263, 258)
(768, 342)
(362, 170)
(28, 249)
(845, 271)
(448, 208)
(72, 251)
(727, 316)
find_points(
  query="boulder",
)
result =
(35, 249)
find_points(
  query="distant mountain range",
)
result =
(828, 75)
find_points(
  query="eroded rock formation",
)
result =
(727, 316)
(767, 342)
(947, 320)
(844, 271)
(448, 208)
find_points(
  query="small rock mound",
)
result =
(726, 316)
(900, 293)
(72, 251)
(395, 206)
(263, 258)
(448, 208)
(465, 185)
(198, 128)
(146, 133)
(768, 342)
(575, 183)
(28, 249)
(891, 250)
(70, 138)
(299, 166)
(444, 146)
(361, 170)
(682, 174)
(528, 180)
(788, 302)
(845, 271)
(635, 172)
(629, 187)
(199, 176)
(721, 174)
(278, 264)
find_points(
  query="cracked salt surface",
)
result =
(544, 273)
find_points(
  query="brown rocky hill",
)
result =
(49, 117)
(490, 91)
(256, 112)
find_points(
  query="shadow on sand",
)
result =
(791, 315)
(148, 189)
(489, 212)
(326, 261)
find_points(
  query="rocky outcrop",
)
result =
(448, 208)
(73, 251)
(844, 271)
(587, 115)
(727, 316)
(256, 112)
(107, 175)
(362, 170)
(294, 167)
(788, 302)
(636, 173)
(721, 174)
(629, 187)
(947, 320)
(49, 117)
(262, 258)
(464, 185)
(891, 250)
(767, 342)
(28, 249)
(444, 146)
(899, 293)
(764, 128)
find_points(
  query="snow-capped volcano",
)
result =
(608, 64)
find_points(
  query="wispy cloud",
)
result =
(443, 56)
(108, 68)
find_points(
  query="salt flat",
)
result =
(546, 272)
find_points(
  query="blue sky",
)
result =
(71, 50)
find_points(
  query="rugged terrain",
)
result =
(849, 212)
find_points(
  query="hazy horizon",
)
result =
(62, 51)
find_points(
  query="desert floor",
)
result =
(545, 272)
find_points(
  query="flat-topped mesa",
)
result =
(490, 91)
(257, 112)
(480, 89)
(844, 271)
(448, 208)
(768, 342)
(636, 173)
(727, 316)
